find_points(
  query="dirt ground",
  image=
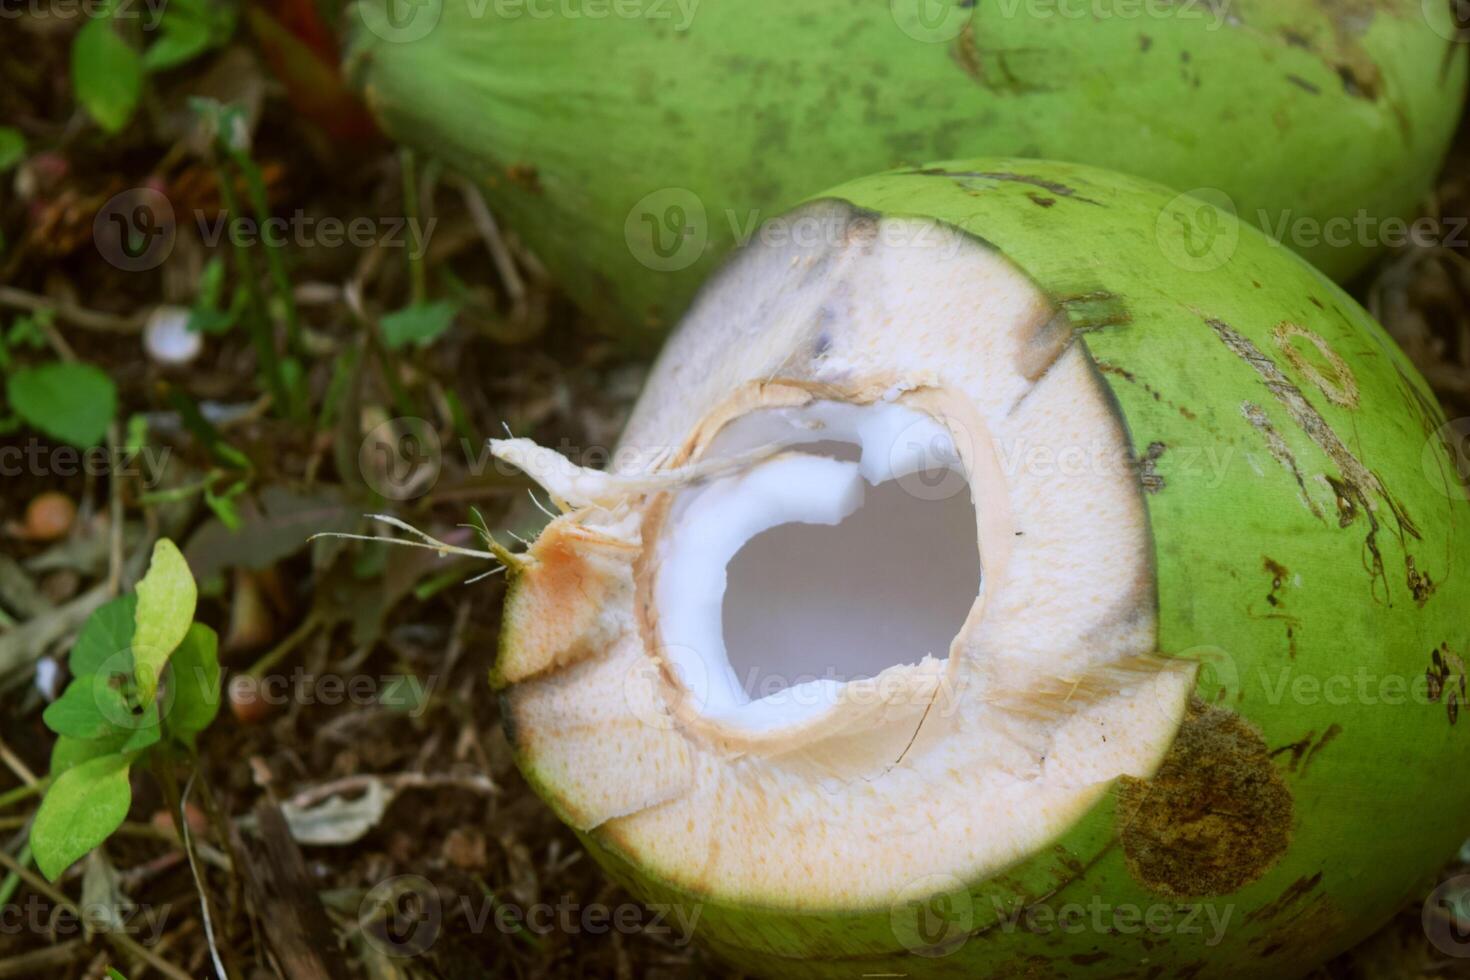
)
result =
(431, 815)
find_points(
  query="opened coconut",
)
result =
(990, 582)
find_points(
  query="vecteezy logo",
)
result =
(932, 21)
(134, 231)
(667, 230)
(400, 458)
(115, 695)
(401, 21)
(1446, 917)
(929, 464)
(644, 686)
(1218, 676)
(933, 915)
(1455, 26)
(1197, 231)
(401, 916)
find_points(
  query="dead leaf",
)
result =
(103, 902)
(338, 820)
(275, 526)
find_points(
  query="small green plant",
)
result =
(210, 314)
(67, 400)
(112, 54)
(145, 682)
(421, 322)
(257, 309)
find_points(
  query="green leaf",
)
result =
(148, 732)
(135, 432)
(89, 708)
(12, 147)
(26, 332)
(223, 503)
(69, 752)
(418, 324)
(212, 282)
(81, 809)
(97, 706)
(203, 430)
(69, 401)
(195, 679)
(106, 73)
(210, 321)
(405, 693)
(207, 316)
(166, 598)
(112, 974)
(106, 633)
(182, 39)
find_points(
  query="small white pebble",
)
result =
(48, 678)
(167, 336)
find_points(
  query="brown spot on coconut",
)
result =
(1214, 818)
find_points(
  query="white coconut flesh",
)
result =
(869, 597)
(771, 640)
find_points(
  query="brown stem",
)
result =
(121, 940)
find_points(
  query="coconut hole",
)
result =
(892, 583)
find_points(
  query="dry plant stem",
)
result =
(205, 902)
(505, 556)
(515, 288)
(388, 370)
(72, 314)
(456, 637)
(16, 765)
(57, 341)
(221, 825)
(282, 650)
(24, 856)
(163, 769)
(46, 961)
(22, 845)
(121, 940)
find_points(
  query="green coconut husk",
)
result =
(631, 144)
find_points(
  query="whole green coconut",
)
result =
(630, 143)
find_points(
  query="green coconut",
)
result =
(991, 583)
(630, 144)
